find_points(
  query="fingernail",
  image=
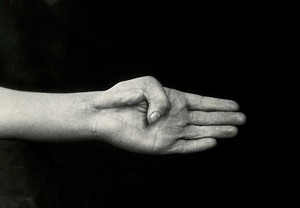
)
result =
(153, 117)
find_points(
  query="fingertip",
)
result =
(234, 105)
(161, 108)
(242, 118)
(233, 131)
(153, 117)
(210, 142)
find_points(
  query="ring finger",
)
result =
(197, 132)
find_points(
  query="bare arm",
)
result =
(43, 116)
(137, 115)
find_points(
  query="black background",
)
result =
(240, 50)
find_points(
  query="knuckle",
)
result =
(223, 116)
(149, 78)
(208, 118)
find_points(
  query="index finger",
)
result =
(198, 102)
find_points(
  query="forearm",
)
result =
(45, 116)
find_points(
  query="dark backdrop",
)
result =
(240, 50)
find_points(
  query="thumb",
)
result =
(158, 101)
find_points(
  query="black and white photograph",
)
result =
(124, 103)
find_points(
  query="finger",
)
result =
(216, 118)
(157, 99)
(191, 146)
(118, 98)
(198, 102)
(196, 132)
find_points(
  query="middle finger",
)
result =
(216, 118)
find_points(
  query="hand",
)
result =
(192, 124)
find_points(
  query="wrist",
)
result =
(80, 115)
(97, 108)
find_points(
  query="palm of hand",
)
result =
(135, 134)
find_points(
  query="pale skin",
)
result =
(138, 115)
